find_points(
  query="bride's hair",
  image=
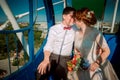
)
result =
(86, 15)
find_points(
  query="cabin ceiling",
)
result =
(98, 6)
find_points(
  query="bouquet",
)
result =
(77, 62)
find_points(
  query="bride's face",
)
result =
(78, 23)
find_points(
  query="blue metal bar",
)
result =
(49, 12)
(30, 32)
(16, 50)
(8, 52)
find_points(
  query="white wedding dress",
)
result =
(88, 45)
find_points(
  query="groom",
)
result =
(58, 48)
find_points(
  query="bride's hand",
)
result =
(94, 66)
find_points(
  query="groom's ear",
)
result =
(64, 16)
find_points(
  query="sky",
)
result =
(21, 6)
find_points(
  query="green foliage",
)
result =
(37, 39)
(3, 56)
(16, 62)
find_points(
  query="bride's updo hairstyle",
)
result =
(86, 15)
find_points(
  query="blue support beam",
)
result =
(30, 32)
(49, 12)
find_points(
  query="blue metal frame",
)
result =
(28, 71)
(49, 12)
(30, 32)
